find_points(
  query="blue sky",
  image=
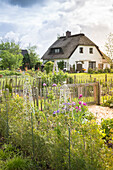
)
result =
(38, 22)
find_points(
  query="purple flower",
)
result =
(64, 103)
(80, 102)
(80, 96)
(68, 103)
(79, 109)
(54, 85)
(58, 111)
(84, 104)
(76, 107)
(73, 103)
(54, 112)
(44, 84)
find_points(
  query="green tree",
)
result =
(49, 66)
(61, 65)
(11, 56)
(33, 57)
(26, 61)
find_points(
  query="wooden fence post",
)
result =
(74, 79)
(105, 77)
(99, 94)
(95, 92)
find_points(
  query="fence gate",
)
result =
(91, 92)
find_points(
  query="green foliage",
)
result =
(12, 159)
(9, 73)
(32, 57)
(61, 65)
(90, 71)
(18, 163)
(51, 134)
(26, 61)
(107, 70)
(100, 71)
(48, 66)
(109, 103)
(11, 55)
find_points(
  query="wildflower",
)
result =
(80, 96)
(44, 84)
(79, 109)
(54, 85)
(64, 103)
(57, 111)
(54, 112)
(80, 102)
(73, 103)
(76, 107)
(84, 104)
(68, 103)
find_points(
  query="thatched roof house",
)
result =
(76, 50)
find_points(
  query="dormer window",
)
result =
(56, 51)
(91, 50)
(81, 50)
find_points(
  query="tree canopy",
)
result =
(33, 57)
(11, 56)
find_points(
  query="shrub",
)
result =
(48, 66)
(107, 131)
(90, 71)
(109, 103)
(107, 70)
(17, 163)
(48, 132)
(100, 71)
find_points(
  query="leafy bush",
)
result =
(18, 163)
(107, 70)
(100, 71)
(50, 135)
(48, 66)
(107, 131)
(109, 103)
(12, 159)
(90, 71)
(10, 73)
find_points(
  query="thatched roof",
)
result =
(106, 59)
(68, 45)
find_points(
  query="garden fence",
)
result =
(88, 86)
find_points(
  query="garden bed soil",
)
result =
(101, 112)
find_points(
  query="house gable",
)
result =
(67, 45)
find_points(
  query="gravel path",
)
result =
(101, 112)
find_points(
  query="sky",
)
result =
(40, 22)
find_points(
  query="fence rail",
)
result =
(93, 91)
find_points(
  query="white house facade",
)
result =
(78, 52)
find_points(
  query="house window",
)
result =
(92, 64)
(100, 66)
(57, 50)
(91, 50)
(81, 49)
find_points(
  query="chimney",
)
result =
(68, 34)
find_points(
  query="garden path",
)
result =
(101, 112)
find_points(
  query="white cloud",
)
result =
(39, 25)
